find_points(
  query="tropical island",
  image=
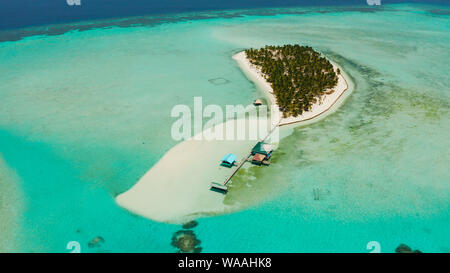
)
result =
(300, 84)
(297, 79)
(298, 74)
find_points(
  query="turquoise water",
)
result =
(85, 114)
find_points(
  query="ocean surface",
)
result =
(24, 13)
(85, 112)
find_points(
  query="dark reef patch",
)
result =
(402, 248)
(440, 12)
(96, 242)
(186, 242)
(190, 225)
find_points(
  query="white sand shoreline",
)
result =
(319, 108)
(177, 188)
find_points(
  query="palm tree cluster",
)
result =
(299, 75)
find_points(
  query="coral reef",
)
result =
(186, 241)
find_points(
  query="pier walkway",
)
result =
(228, 179)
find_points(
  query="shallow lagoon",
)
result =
(86, 114)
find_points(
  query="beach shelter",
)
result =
(228, 160)
(263, 148)
(258, 159)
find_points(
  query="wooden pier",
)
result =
(223, 187)
(237, 169)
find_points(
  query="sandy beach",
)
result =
(319, 108)
(177, 188)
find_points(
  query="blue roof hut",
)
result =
(228, 160)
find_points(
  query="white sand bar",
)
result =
(319, 108)
(177, 188)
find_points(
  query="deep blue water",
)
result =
(24, 13)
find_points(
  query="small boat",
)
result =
(257, 102)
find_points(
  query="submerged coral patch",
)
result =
(186, 241)
(96, 242)
(190, 224)
(402, 248)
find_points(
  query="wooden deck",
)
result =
(245, 159)
(237, 169)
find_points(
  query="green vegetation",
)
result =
(299, 75)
